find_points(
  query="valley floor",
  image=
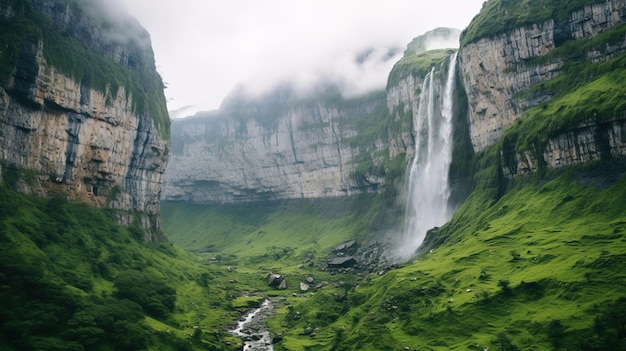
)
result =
(540, 268)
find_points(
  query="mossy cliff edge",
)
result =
(82, 107)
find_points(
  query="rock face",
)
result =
(286, 146)
(279, 147)
(87, 137)
(588, 142)
(275, 147)
(499, 71)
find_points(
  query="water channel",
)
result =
(251, 329)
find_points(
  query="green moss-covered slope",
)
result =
(72, 279)
(499, 16)
(536, 264)
(416, 65)
(538, 268)
(585, 92)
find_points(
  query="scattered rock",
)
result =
(277, 281)
(346, 247)
(342, 262)
(320, 285)
(304, 287)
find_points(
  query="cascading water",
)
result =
(428, 190)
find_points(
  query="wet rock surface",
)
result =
(252, 330)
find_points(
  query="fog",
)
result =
(204, 48)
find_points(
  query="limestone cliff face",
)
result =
(587, 142)
(499, 71)
(250, 151)
(285, 146)
(62, 135)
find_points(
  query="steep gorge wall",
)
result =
(507, 77)
(62, 134)
(287, 146)
(300, 150)
(499, 71)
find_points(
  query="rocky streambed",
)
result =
(251, 329)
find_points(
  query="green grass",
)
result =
(559, 244)
(499, 16)
(536, 263)
(272, 234)
(416, 65)
(61, 269)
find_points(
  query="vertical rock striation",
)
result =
(269, 149)
(499, 70)
(77, 130)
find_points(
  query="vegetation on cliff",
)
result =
(417, 65)
(586, 92)
(24, 23)
(531, 264)
(500, 16)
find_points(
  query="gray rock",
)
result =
(300, 152)
(89, 144)
(342, 262)
(495, 69)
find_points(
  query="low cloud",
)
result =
(207, 47)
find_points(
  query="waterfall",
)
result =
(428, 190)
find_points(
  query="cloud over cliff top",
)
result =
(204, 48)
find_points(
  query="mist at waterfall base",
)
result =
(427, 191)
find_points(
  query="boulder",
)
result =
(277, 281)
(346, 247)
(342, 262)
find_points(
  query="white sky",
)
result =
(204, 48)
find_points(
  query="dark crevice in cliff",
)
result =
(603, 143)
(85, 90)
(462, 167)
(340, 161)
(293, 144)
(52, 106)
(73, 130)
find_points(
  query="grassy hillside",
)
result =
(72, 279)
(499, 16)
(417, 65)
(283, 231)
(541, 267)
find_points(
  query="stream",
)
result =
(252, 331)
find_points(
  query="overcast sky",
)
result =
(204, 48)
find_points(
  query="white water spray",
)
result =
(428, 189)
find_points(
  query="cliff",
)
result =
(286, 145)
(278, 146)
(82, 108)
(541, 82)
(540, 64)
